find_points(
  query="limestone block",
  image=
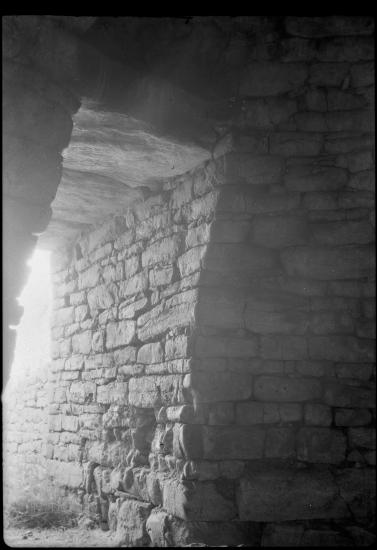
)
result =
(221, 414)
(349, 121)
(349, 49)
(266, 79)
(196, 501)
(161, 276)
(120, 334)
(81, 313)
(75, 362)
(225, 386)
(190, 441)
(254, 412)
(284, 347)
(151, 391)
(103, 296)
(66, 474)
(201, 209)
(198, 235)
(242, 168)
(216, 346)
(357, 486)
(150, 353)
(191, 260)
(131, 523)
(296, 144)
(239, 257)
(321, 445)
(163, 251)
(81, 392)
(55, 423)
(158, 320)
(176, 347)
(342, 395)
(341, 348)
(112, 273)
(280, 443)
(82, 343)
(233, 442)
(90, 277)
(262, 322)
(362, 74)
(313, 177)
(362, 437)
(283, 493)
(130, 311)
(278, 388)
(316, 414)
(134, 285)
(113, 392)
(70, 423)
(352, 417)
(220, 308)
(328, 263)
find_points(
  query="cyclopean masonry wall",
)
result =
(214, 361)
(213, 369)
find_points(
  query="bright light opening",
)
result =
(32, 353)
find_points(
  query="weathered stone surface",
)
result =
(134, 285)
(314, 177)
(239, 257)
(316, 414)
(252, 170)
(225, 386)
(362, 437)
(82, 343)
(284, 347)
(329, 25)
(321, 445)
(164, 251)
(233, 442)
(191, 260)
(196, 501)
(274, 388)
(150, 353)
(352, 417)
(151, 391)
(226, 347)
(265, 79)
(328, 263)
(282, 493)
(254, 412)
(279, 231)
(131, 524)
(119, 334)
(342, 395)
(341, 348)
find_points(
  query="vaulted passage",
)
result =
(212, 329)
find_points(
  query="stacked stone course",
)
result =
(214, 347)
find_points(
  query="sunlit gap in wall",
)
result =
(32, 353)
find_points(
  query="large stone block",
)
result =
(279, 231)
(279, 388)
(321, 445)
(343, 395)
(282, 493)
(163, 251)
(352, 417)
(191, 260)
(134, 285)
(284, 347)
(103, 296)
(217, 346)
(233, 442)
(131, 525)
(160, 320)
(328, 263)
(280, 443)
(254, 412)
(152, 391)
(314, 177)
(196, 501)
(266, 79)
(225, 386)
(82, 343)
(150, 353)
(263, 322)
(239, 257)
(63, 317)
(343, 232)
(120, 334)
(241, 168)
(341, 348)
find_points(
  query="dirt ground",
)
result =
(76, 537)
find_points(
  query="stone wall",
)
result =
(213, 348)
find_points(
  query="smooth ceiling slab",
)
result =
(111, 161)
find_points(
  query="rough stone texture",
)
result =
(223, 370)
